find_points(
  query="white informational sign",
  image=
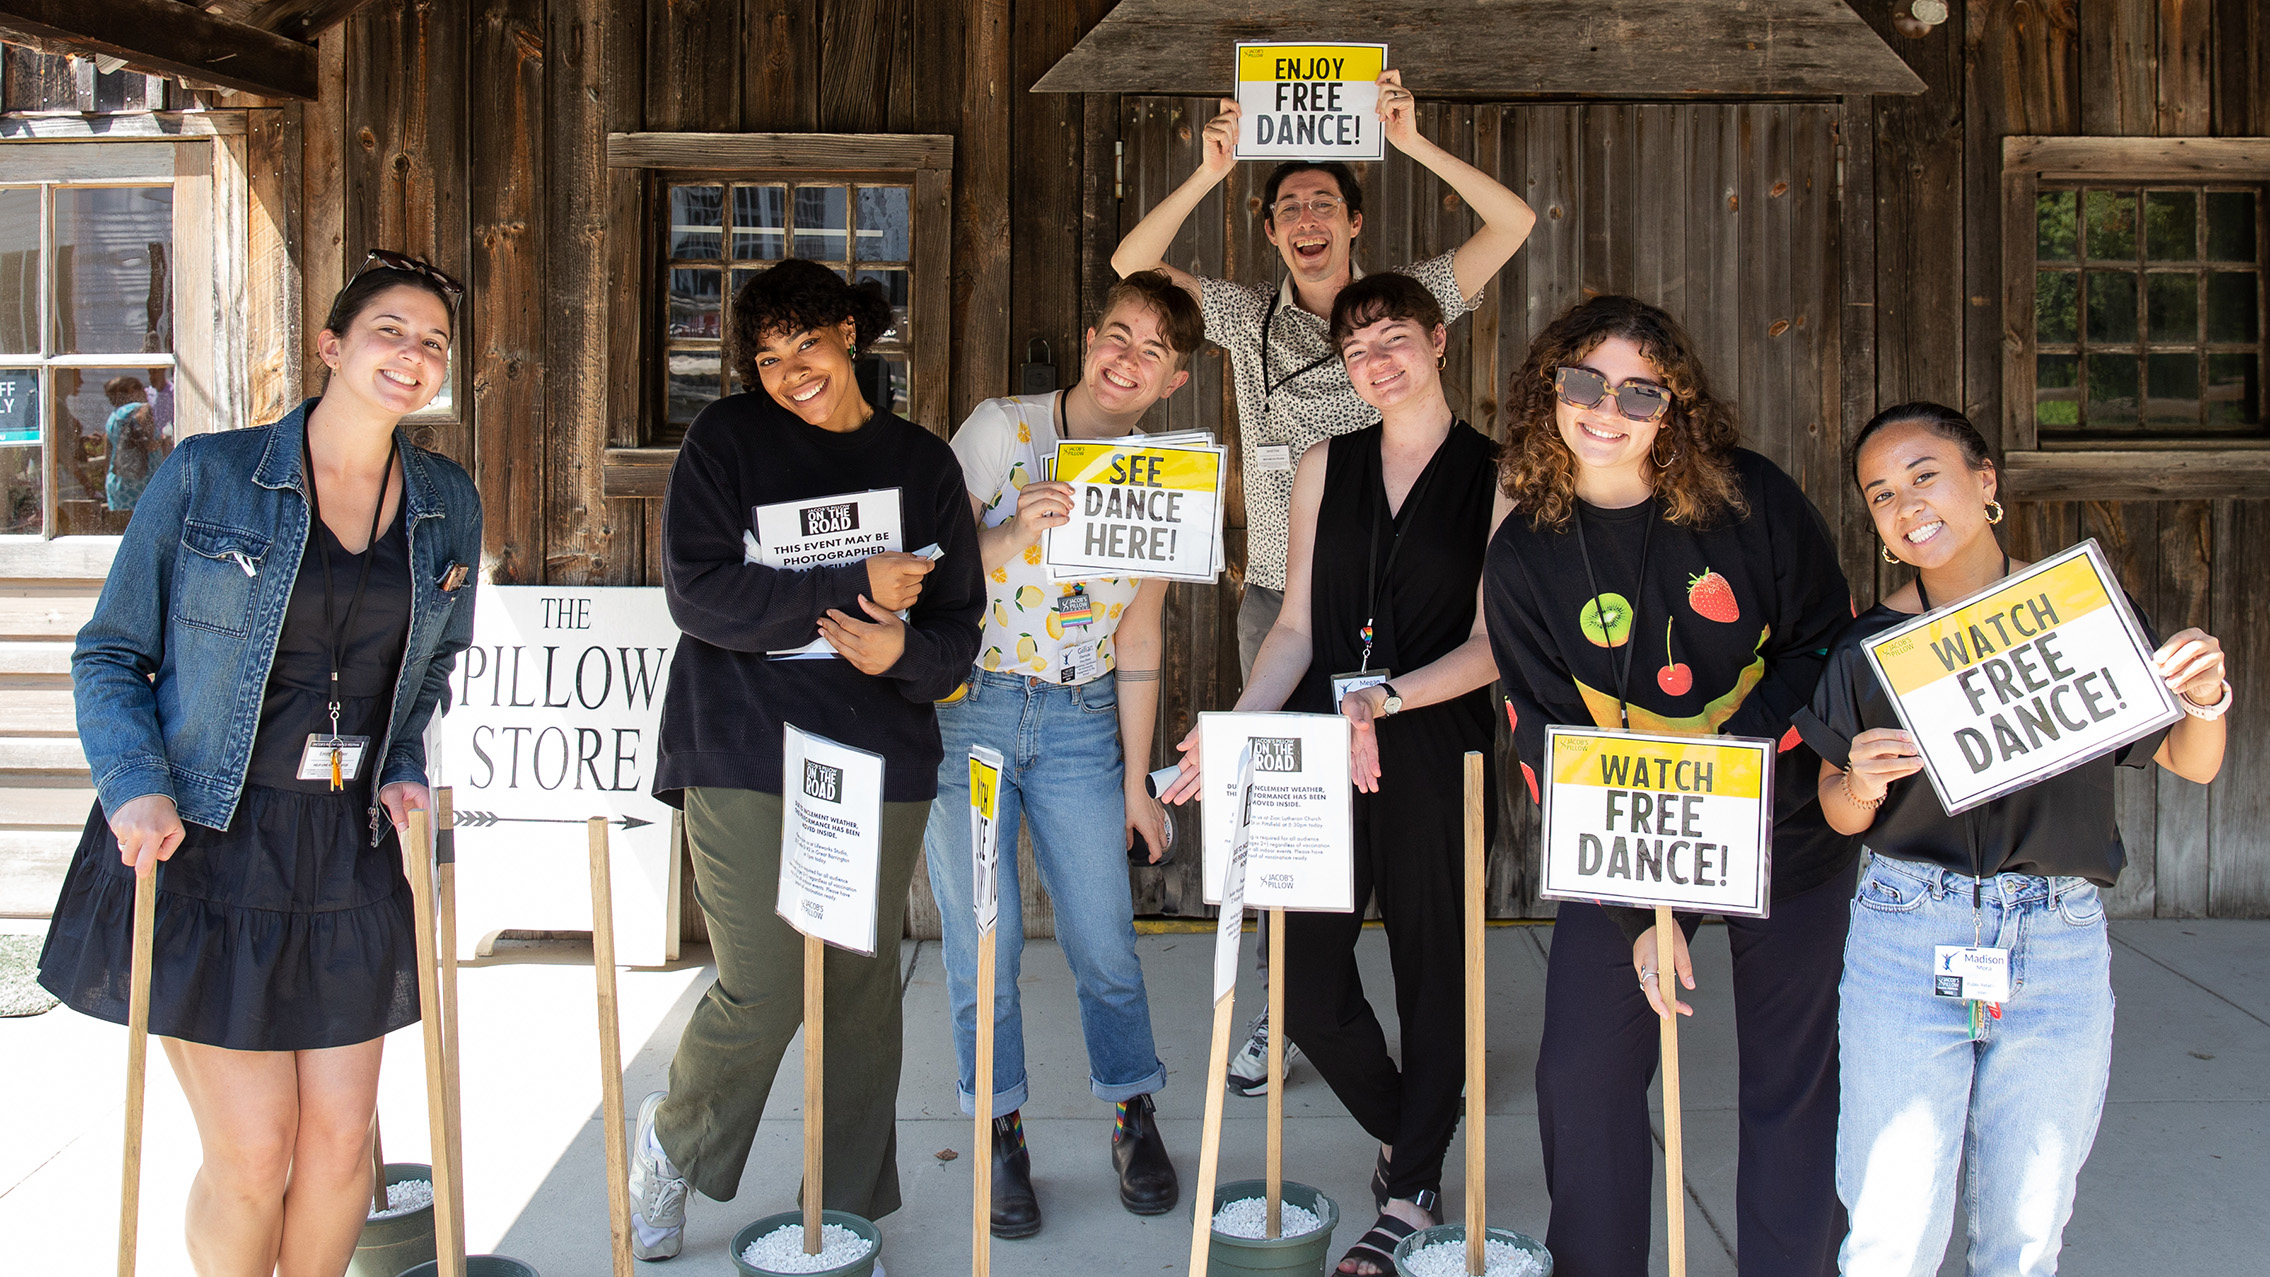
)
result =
(985, 834)
(1139, 509)
(799, 535)
(1310, 101)
(831, 838)
(1229, 928)
(1638, 820)
(555, 717)
(2034, 675)
(1300, 849)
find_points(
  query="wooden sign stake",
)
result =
(610, 1048)
(1210, 1145)
(449, 1241)
(137, 1069)
(981, 1211)
(1276, 1148)
(378, 1200)
(445, 946)
(815, 1012)
(1477, 1041)
(1674, 1149)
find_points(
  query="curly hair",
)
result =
(1696, 480)
(799, 296)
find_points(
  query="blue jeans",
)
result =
(1063, 774)
(2020, 1104)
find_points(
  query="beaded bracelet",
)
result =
(1856, 800)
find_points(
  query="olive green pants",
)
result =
(731, 1049)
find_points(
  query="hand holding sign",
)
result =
(1878, 757)
(872, 645)
(894, 578)
(1220, 141)
(1398, 111)
(2192, 664)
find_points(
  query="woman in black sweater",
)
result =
(802, 433)
(1656, 577)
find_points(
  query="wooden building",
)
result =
(2050, 212)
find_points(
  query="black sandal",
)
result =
(1376, 1247)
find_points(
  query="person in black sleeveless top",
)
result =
(252, 689)
(1390, 525)
(1659, 577)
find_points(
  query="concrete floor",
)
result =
(2179, 1169)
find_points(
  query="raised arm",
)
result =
(1145, 247)
(1506, 218)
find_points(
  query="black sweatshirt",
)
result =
(723, 713)
(1727, 634)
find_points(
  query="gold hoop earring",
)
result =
(1886, 551)
(1442, 360)
(1994, 512)
(1663, 463)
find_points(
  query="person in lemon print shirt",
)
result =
(1066, 688)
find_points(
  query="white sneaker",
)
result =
(1249, 1068)
(658, 1191)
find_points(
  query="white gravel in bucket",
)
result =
(1248, 1217)
(782, 1249)
(1448, 1259)
(404, 1196)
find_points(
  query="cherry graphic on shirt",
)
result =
(1712, 598)
(1675, 679)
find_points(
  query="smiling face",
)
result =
(1129, 363)
(1928, 504)
(809, 373)
(1315, 248)
(1392, 361)
(1605, 441)
(394, 353)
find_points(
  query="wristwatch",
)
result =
(1393, 703)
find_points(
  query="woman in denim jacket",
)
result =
(252, 694)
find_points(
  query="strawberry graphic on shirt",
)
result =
(1712, 598)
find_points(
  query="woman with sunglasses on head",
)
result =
(1656, 577)
(1390, 525)
(253, 689)
(2011, 1090)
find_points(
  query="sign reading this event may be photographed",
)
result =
(831, 831)
(1300, 840)
(800, 535)
(1639, 820)
(1309, 101)
(1138, 509)
(2034, 675)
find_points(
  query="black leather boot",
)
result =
(1147, 1183)
(1016, 1212)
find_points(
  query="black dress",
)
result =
(1409, 835)
(289, 930)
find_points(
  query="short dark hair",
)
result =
(365, 287)
(1180, 320)
(122, 391)
(800, 296)
(1387, 295)
(1351, 190)
(1939, 419)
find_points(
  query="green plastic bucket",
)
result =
(387, 1246)
(1457, 1233)
(1302, 1256)
(864, 1266)
(477, 1266)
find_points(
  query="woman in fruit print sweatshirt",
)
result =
(1655, 576)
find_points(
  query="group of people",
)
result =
(254, 720)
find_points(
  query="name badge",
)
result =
(1078, 662)
(315, 763)
(1974, 974)
(1075, 609)
(1342, 684)
(1273, 458)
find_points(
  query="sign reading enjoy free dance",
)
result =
(1637, 819)
(1309, 101)
(1297, 819)
(2031, 676)
(1139, 509)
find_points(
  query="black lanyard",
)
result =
(331, 639)
(1970, 818)
(1376, 574)
(1623, 668)
(1268, 387)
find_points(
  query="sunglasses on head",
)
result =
(387, 259)
(1580, 387)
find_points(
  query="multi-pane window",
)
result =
(86, 352)
(720, 233)
(2148, 311)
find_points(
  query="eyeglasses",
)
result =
(1325, 207)
(1581, 387)
(391, 260)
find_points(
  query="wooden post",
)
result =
(137, 1068)
(1477, 1041)
(449, 1242)
(981, 1211)
(610, 1048)
(378, 1202)
(1674, 1150)
(1276, 1148)
(815, 1015)
(445, 946)
(1210, 1146)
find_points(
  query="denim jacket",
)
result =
(169, 674)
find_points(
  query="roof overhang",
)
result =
(270, 50)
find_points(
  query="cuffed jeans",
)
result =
(728, 1055)
(1063, 775)
(2019, 1106)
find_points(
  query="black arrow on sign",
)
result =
(483, 819)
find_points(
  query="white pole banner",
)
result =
(985, 833)
(831, 838)
(1309, 101)
(1639, 820)
(1301, 845)
(1229, 930)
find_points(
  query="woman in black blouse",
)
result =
(2012, 1088)
(1658, 577)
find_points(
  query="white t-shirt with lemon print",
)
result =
(1059, 631)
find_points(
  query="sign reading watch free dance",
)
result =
(1639, 820)
(1309, 101)
(2033, 675)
